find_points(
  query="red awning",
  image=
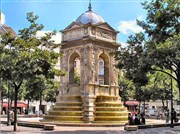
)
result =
(19, 104)
(132, 103)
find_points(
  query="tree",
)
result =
(160, 85)
(51, 92)
(162, 28)
(27, 56)
(126, 88)
(157, 48)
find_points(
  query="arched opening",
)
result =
(74, 69)
(103, 69)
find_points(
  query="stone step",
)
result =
(67, 108)
(109, 104)
(66, 113)
(107, 99)
(69, 104)
(71, 98)
(49, 127)
(111, 109)
(111, 118)
(111, 122)
(130, 128)
(63, 118)
(59, 122)
(111, 113)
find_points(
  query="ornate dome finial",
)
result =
(89, 17)
(90, 7)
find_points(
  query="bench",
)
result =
(130, 128)
(49, 127)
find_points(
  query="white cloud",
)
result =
(56, 38)
(2, 18)
(129, 27)
(123, 44)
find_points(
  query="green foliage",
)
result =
(51, 91)
(126, 88)
(156, 49)
(76, 77)
(162, 21)
(129, 59)
(26, 57)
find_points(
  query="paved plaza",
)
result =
(88, 130)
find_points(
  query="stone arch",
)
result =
(105, 76)
(74, 68)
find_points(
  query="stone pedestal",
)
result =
(88, 104)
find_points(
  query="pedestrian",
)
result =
(167, 115)
(174, 115)
(36, 113)
(11, 116)
(136, 120)
(40, 113)
(143, 121)
(130, 119)
(3, 112)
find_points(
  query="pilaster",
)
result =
(88, 105)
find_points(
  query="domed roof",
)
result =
(89, 17)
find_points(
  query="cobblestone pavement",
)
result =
(88, 130)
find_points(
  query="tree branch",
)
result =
(166, 73)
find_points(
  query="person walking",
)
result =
(143, 121)
(174, 115)
(136, 120)
(130, 119)
(167, 115)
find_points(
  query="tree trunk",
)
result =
(40, 104)
(167, 104)
(140, 107)
(28, 106)
(15, 104)
(1, 102)
(144, 106)
(178, 79)
(163, 103)
(15, 108)
(9, 106)
(179, 87)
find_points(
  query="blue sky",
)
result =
(58, 14)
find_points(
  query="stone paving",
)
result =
(88, 130)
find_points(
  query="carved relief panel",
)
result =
(105, 34)
(74, 33)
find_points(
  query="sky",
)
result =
(58, 14)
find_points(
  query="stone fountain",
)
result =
(86, 46)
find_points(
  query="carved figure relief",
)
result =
(74, 34)
(93, 31)
(104, 34)
(114, 72)
(93, 66)
(85, 30)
